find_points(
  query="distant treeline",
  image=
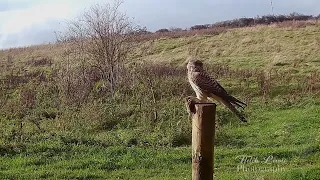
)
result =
(241, 22)
(263, 20)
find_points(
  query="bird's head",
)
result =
(194, 65)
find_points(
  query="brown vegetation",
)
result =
(63, 87)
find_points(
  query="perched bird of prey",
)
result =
(206, 87)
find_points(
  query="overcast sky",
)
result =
(28, 22)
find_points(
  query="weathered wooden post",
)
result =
(203, 132)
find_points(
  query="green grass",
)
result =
(288, 138)
(82, 162)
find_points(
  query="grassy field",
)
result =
(281, 144)
(145, 133)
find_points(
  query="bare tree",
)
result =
(101, 38)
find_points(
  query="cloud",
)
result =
(35, 34)
(26, 22)
(20, 23)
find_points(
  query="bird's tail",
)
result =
(234, 110)
(231, 102)
(237, 102)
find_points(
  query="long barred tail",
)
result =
(231, 102)
(237, 102)
(234, 110)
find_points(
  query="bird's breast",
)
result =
(200, 94)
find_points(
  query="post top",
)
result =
(192, 102)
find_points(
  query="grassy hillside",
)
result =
(287, 49)
(54, 124)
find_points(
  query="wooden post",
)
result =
(203, 132)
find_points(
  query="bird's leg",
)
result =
(190, 104)
(204, 100)
(192, 101)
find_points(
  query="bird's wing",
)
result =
(209, 85)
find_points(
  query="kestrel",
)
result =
(207, 87)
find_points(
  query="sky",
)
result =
(30, 22)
